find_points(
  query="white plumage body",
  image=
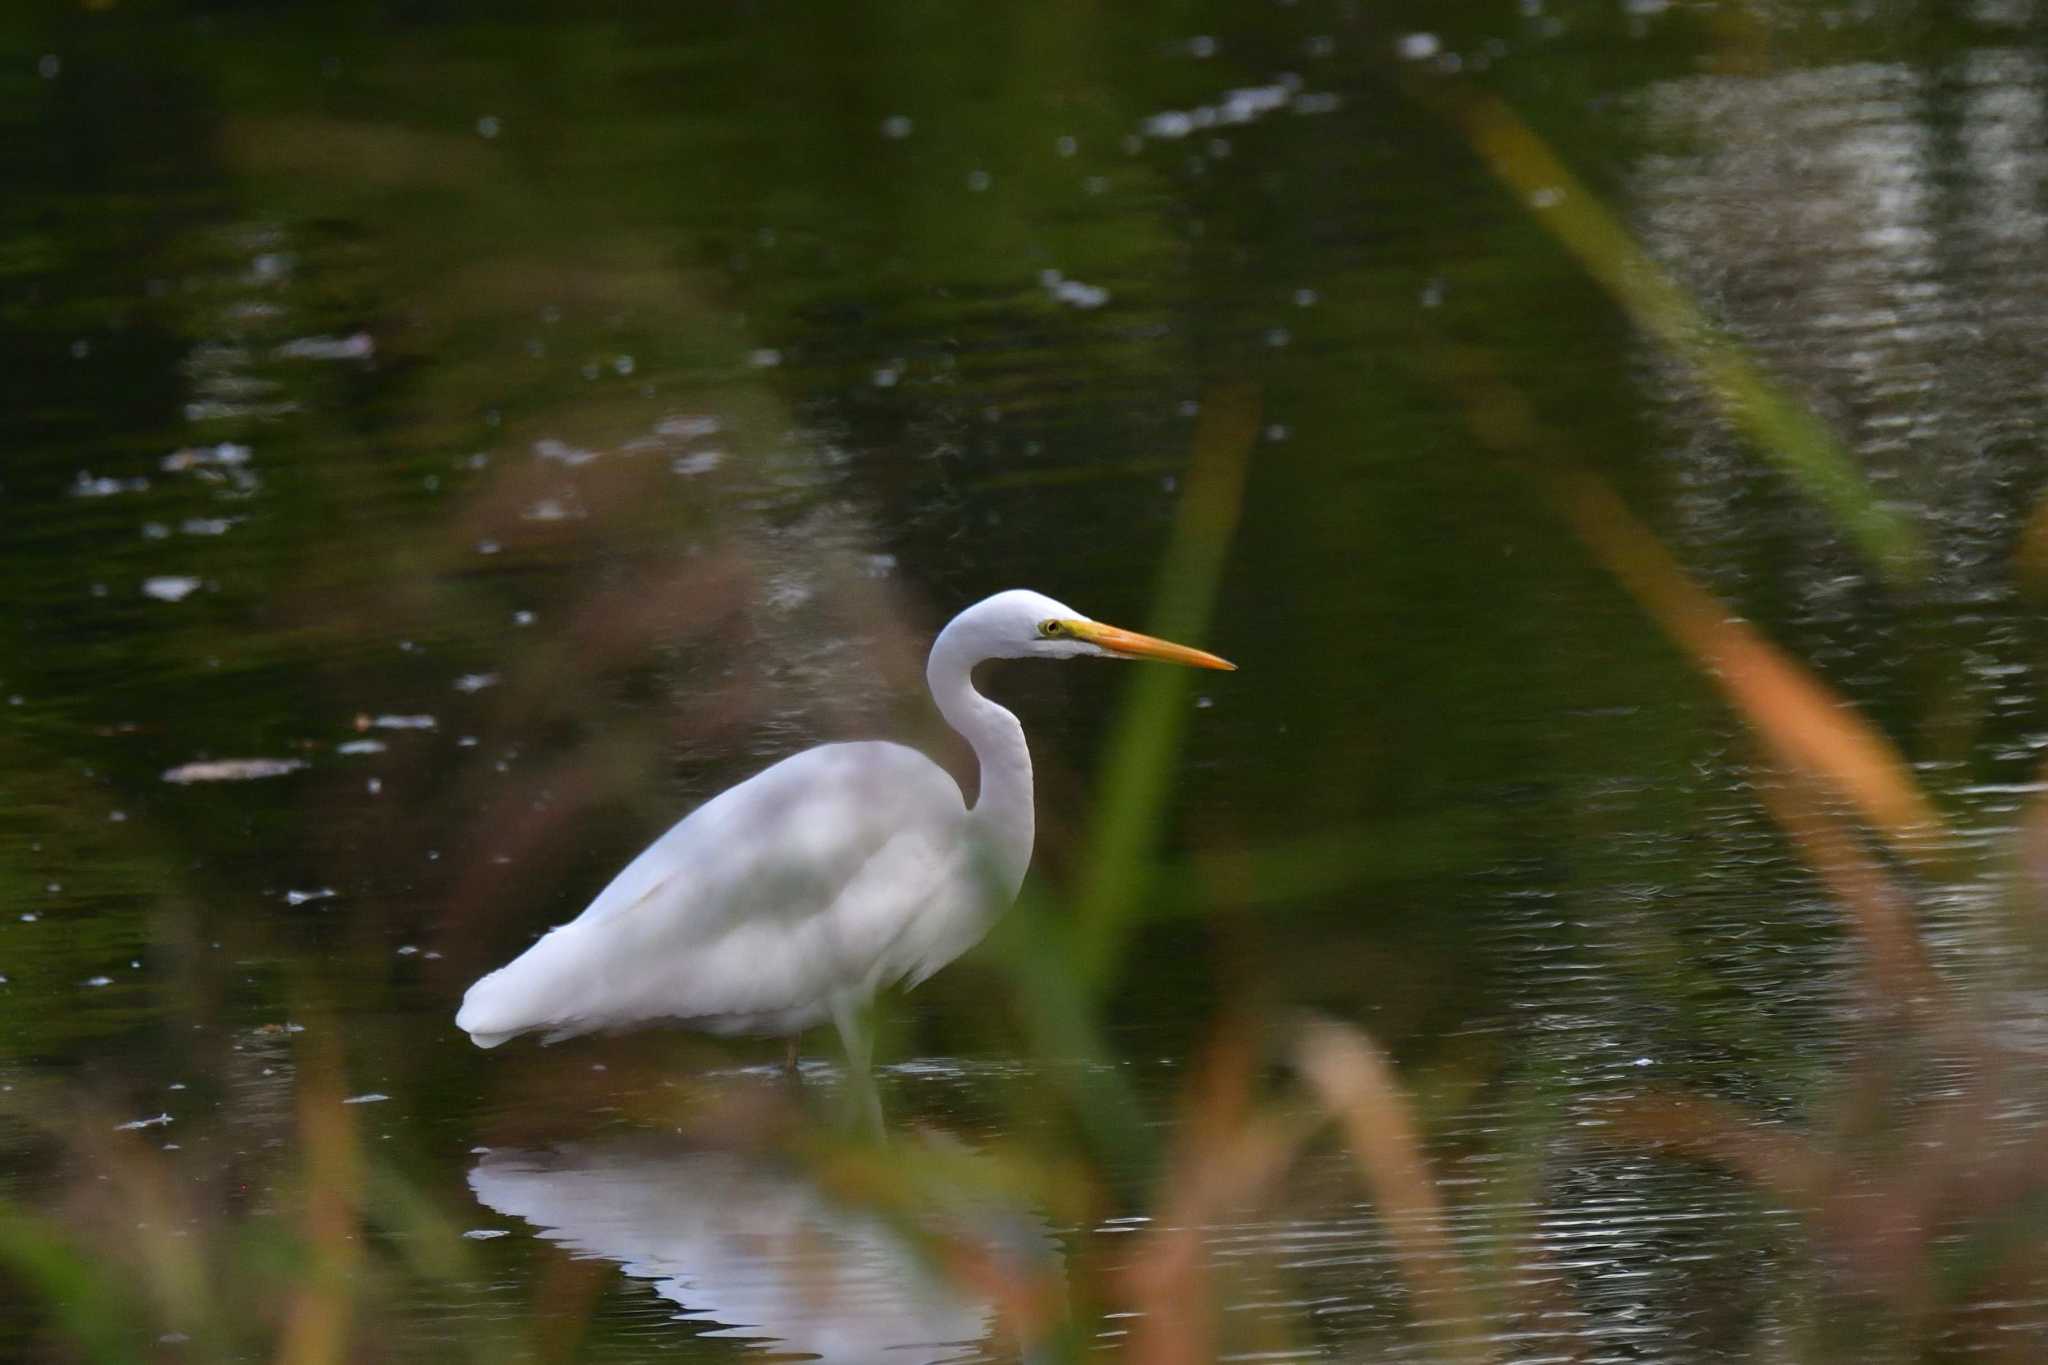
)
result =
(795, 896)
(843, 869)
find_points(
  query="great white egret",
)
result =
(795, 896)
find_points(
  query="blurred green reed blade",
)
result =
(89, 1303)
(419, 1229)
(1081, 473)
(1060, 975)
(1148, 732)
(1059, 1014)
(1802, 722)
(1296, 870)
(1781, 426)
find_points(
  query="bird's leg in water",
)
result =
(789, 1056)
(858, 1040)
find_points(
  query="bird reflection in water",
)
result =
(757, 1248)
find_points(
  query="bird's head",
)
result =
(1021, 624)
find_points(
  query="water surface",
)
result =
(508, 432)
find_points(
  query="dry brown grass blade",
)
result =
(1900, 1173)
(1786, 1164)
(316, 1330)
(563, 1305)
(1880, 913)
(922, 1182)
(1805, 726)
(173, 1273)
(1229, 1156)
(1872, 1226)
(146, 1225)
(1357, 1085)
(2030, 557)
(1029, 1307)
(2031, 847)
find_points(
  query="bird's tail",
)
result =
(549, 986)
(492, 1010)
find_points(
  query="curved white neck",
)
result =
(1002, 818)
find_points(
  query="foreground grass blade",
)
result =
(317, 1324)
(1806, 727)
(1059, 1017)
(1137, 775)
(1230, 1157)
(86, 1298)
(1784, 1163)
(1782, 427)
(1871, 901)
(1356, 1084)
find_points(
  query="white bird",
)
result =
(795, 896)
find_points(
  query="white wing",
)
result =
(837, 871)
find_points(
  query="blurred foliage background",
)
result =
(441, 444)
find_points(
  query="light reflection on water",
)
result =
(1622, 1254)
(1879, 231)
(1878, 254)
(1635, 1269)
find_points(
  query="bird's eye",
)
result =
(1051, 628)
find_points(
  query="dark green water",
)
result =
(528, 422)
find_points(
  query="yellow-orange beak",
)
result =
(1128, 644)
